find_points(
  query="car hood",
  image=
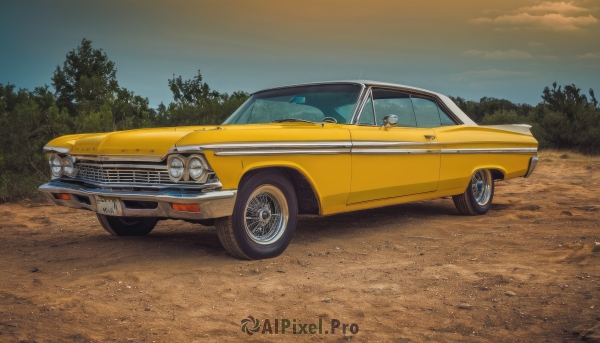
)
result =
(157, 142)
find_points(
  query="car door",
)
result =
(393, 161)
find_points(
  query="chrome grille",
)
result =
(121, 175)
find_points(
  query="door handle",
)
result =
(430, 137)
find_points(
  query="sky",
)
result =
(507, 49)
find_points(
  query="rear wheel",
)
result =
(264, 217)
(127, 226)
(477, 198)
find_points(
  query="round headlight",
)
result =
(56, 166)
(176, 168)
(69, 167)
(196, 168)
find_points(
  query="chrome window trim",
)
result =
(363, 103)
(421, 94)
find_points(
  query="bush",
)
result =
(88, 99)
(566, 119)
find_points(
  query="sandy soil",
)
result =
(408, 273)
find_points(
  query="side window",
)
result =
(426, 112)
(445, 118)
(393, 102)
(367, 117)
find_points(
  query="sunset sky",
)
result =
(508, 49)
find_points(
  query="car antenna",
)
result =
(359, 76)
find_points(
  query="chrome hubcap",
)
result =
(266, 214)
(481, 186)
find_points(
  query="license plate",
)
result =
(109, 206)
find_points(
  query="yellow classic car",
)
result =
(319, 148)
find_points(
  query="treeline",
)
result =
(87, 97)
(565, 119)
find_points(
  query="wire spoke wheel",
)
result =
(478, 195)
(481, 186)
(266, 214)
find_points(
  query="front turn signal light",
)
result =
(186, 207)
(62, 196)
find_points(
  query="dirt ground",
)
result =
(408, 273)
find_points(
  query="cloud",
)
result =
(554, 7)
(500, 55)
(506, 55)
(553, 21)
(536, 45)
(589, 55)
(555, 16)
(487, 74)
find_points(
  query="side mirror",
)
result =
(390, 120)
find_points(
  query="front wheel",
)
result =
(264, 217)
(477, 198)
(127, 226)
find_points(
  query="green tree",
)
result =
(197, 104)
(28, 120)
(86, 80)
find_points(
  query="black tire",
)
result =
(233, 234)
(467, 203)
(127, 226)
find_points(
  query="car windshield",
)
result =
(314, 103)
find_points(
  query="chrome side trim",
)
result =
(343, 147)
(283, 152)
(380, 144)
(490, 151)
(532, 163)
(212, 204)
(394, 151)
(263, 145)
(299, 147)
(57, 149)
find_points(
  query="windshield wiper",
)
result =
(291, 120)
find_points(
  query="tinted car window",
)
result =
(445, 118)
(426, 112)
(367, 116)
(393, 102)
(312, 103)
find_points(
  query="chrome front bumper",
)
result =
(213, 204)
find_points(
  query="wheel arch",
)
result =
(309, 201)
(498, 173)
